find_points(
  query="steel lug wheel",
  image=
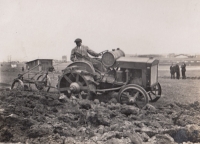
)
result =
(77, 84)
(155, 93)
(133, 95)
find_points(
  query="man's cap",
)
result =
(78, 40)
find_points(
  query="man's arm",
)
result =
(72, 57)
(92, 53)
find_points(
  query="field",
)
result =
(39, 117)
(191, 71)
(182, 90)
(187, 90)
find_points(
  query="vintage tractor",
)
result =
(135, 79)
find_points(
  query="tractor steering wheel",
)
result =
(101, 53)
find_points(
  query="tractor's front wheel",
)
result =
(133, 94)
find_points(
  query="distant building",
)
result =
(13, 65)
(171, 55)
(181, 56)
(45, 64)
(64, 58)
(151, 55)
(197, 56)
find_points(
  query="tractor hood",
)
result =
(135, 62)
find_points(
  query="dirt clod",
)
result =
(34, 117)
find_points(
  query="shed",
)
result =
(64, 58)
(181, 56)
(44, 64)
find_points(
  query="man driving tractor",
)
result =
(80, 53)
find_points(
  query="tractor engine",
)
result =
(112, 76)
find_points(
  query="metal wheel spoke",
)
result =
(150, 97)
(73, 75)
(136, 95)
(124, 97)
(77, 78)
(140, 98)
(124, 100)
(83, 82)
(67, 78)
(84, 88)
(64, 89)
(43, 79)
(153, 93)
(156, 90)
(127, 95)
(133, 99)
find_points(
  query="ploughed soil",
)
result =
(39, 117)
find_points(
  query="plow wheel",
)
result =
(155, 93)
(39, 85)
(17, 85)
(42, 82)
(76, 84)
(133, 95)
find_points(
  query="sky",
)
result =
(47, 28)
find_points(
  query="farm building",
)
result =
(45, 64)
(171, 55)
(64, 58)
(181, 56)
(197, 55)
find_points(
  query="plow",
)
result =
(40, 79)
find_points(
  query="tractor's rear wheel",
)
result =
(133, 95)
(77, 84)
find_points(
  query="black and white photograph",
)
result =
(99, 71)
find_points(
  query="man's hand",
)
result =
(99, 55)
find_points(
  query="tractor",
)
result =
(134, 79)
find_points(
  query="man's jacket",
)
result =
(177, 68)
(183, 67)
(172, 69)
(82, 54)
